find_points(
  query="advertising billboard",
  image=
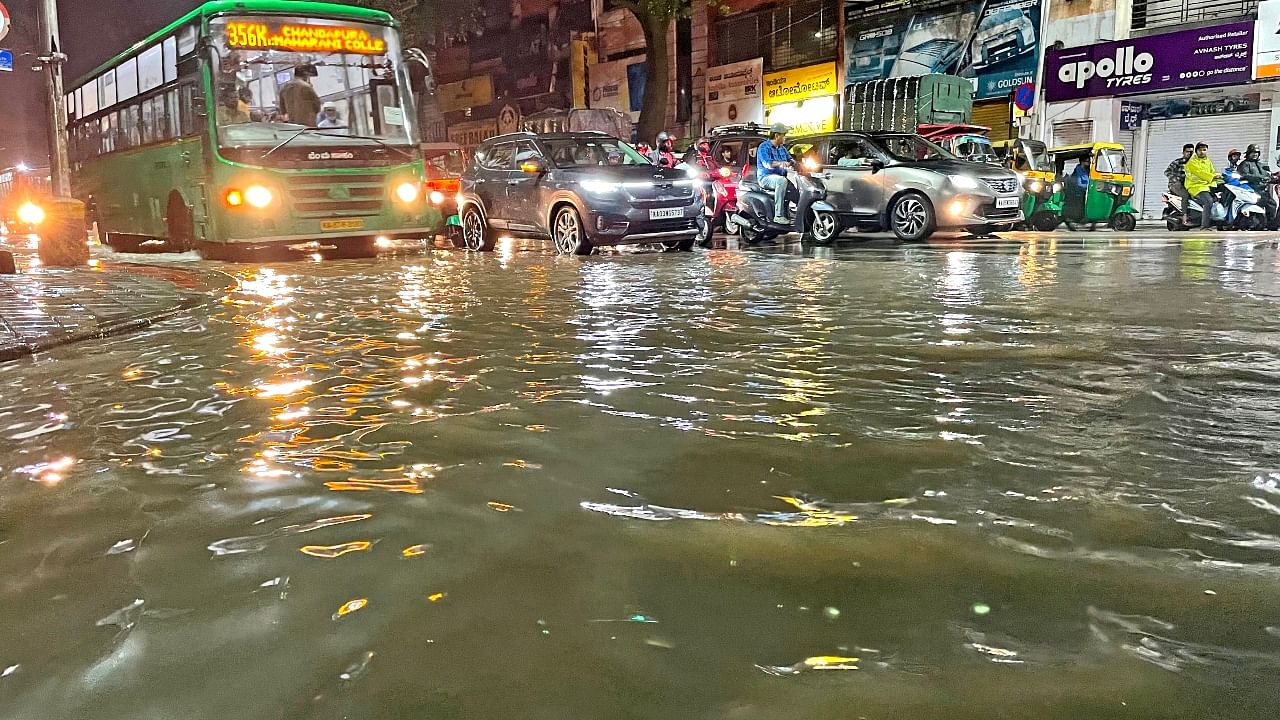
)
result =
(995, 44)
(618, 85)
(1202, 57)
(1267, 40)
(733, 93)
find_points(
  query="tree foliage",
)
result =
(419, 19)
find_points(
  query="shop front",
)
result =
(1164, 90)
(804, 99)
(994, 44)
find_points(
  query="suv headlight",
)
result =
(964, 182)
(599, 187)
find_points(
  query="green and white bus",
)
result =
(182, 140)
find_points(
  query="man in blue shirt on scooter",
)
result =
(773, 160)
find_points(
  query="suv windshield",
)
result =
(277, 76)
(583, 152)
(911, 148)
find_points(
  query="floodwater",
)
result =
(1014, 479)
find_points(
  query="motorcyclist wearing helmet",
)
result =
(1233, 162)
(664, 151)
(702, 155)
(1258, 175)
(773, 160)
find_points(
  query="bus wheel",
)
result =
(181, 225)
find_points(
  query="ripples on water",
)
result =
(1015, 479)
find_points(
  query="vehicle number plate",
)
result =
(336, 225)
(1007, 202)
(666, 213)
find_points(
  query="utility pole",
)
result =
(51, 59)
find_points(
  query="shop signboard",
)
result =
(475, 91)
(734, 93)
(611, 85)
(811, 81)
(471, 133)
(1131, 115)
(996, 44)
(1267, 40)
(1202, 57)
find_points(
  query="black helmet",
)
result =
(1252, 149)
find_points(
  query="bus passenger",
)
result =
(298, 99)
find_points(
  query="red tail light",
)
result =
(446, 186)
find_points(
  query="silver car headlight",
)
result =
(964, 182)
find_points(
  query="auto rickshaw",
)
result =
(1029, 158)
(445, 163)
(1107, 199)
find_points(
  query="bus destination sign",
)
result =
(303, 38)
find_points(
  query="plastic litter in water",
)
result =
(543, 629)
(9, 671)
(981, 608)
(357, 668)
(333, 551)
(350, 606)
(500, 506)
(437, 597)
(817, 662)
(123, 546)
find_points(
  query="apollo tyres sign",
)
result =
(1203, 57)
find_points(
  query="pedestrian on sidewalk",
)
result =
(1202, 176)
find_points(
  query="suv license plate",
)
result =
(336, 225)
(1009, 202)
(666, 213)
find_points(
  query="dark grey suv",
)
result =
(581, 190)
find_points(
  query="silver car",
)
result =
(904, 183)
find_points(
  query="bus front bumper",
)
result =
(425, 232)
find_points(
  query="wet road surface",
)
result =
(1024, 478)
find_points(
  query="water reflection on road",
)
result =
(1030, 477)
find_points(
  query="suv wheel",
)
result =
(911, 218)
(476, 235)
(569, 235)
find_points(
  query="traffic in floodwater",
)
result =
(1019, 478)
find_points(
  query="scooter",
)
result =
(1240, 212)
(720, 196)
(812, 216)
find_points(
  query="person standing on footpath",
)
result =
(1201, 177)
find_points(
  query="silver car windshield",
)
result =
(911, 148)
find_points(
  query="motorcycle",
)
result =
(812, 216)
(720, 197)
(1240, 211)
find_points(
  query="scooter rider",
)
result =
(1177, 174)
(1258, 175)
(664, 151)
(773, 160)
(702, 155)
(1202, 176)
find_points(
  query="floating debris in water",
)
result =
(9, 671)
(981, 609)
(414, 551)
(817, 662)
(522, 464)
(543, 629)
(124, 618)
(632, 618)
(501, 506)
(357, 668)
(437, 597)
(660, 642)
(351, 606)
(1210, 592)
(831, 613)
(333, 551)
(123, 546)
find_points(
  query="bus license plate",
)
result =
(1009, 202)
(666, 213)
(337, 225)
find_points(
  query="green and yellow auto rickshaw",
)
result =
(1041, 203)
(1107, 195)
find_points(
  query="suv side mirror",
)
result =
(533, 166)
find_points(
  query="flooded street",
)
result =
(1007, 479)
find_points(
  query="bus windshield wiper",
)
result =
(287, 140)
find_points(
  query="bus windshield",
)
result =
(308, 83)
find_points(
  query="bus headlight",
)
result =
(31, 213)
(407, 192)
(258, 196)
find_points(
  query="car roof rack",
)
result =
(739, 128)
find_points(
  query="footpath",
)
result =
(41, 308)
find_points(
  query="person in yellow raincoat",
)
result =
(1201, 177)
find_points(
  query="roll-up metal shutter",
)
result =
(1072, 132)
(995, 115)
(1166, 138)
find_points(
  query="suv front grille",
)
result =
(337, 195)
(1001, 185)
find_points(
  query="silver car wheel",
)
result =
(909, 216)
(568, 232)
(473, 231)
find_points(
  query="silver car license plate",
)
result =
(666, 213)
(1006, 202)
